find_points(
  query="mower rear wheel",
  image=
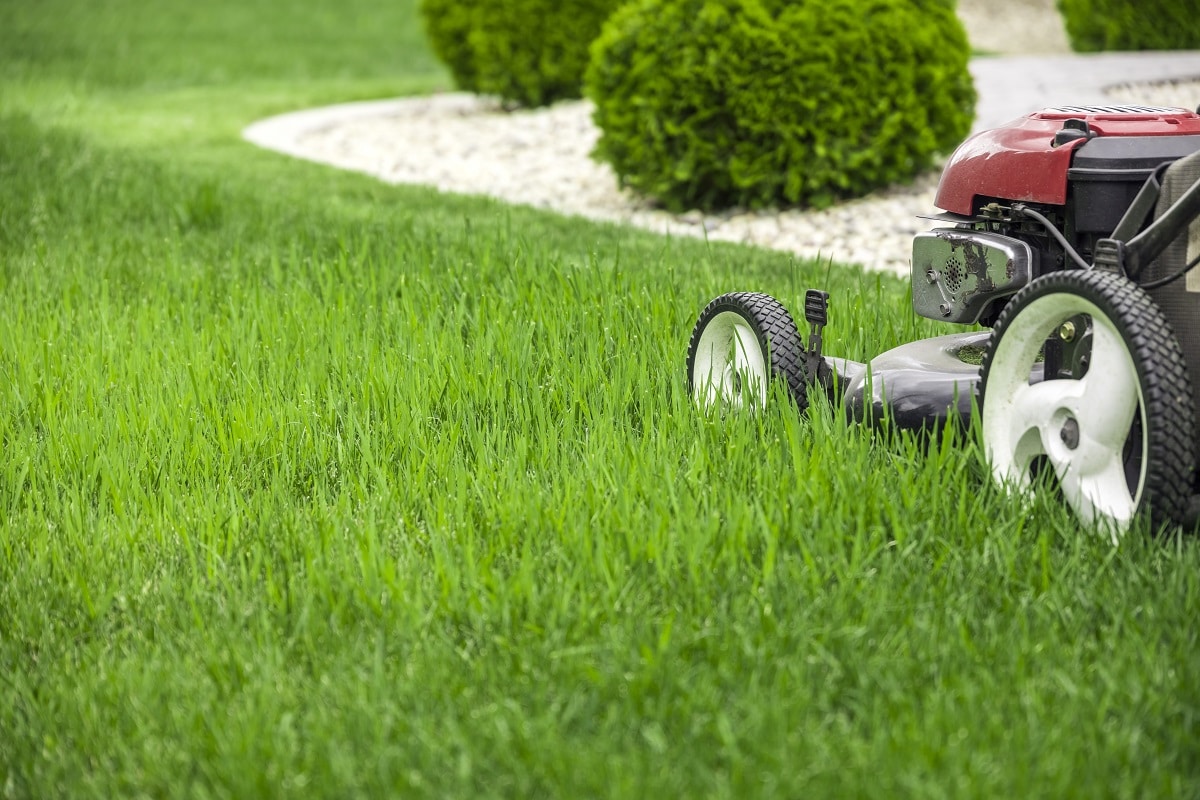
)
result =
(1115, 423)
(740, 343)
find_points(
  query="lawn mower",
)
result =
(1065, 243)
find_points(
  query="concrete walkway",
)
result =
(1010, 86)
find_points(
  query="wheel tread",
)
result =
(777, 334)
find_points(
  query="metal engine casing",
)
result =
(1081, 165)
(957, 272)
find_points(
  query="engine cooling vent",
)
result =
(1113, 110)
(953, 274)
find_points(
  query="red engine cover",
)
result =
(1020, 162)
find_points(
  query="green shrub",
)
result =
(530, 52)
(717, 103)
(1131, 24)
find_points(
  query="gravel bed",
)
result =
(1181, 94)
(466, 144)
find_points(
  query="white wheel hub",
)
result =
(1079, 425)
(730, 366)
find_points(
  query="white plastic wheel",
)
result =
(730, 368)
(1109, 454)
(741, 341)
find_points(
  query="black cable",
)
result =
(1026, 211)
(1174, 277)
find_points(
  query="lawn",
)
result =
(317, 487)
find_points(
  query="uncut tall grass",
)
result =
(312, 486)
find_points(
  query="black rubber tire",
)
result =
(778, 340)
(1166, 442)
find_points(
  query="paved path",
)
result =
(1010, 86)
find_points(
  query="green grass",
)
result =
(312, 486)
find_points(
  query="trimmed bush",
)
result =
(1131, 24)
(529, 52)
(717, 103)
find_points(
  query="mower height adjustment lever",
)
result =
(816, 313)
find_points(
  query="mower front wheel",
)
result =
(1114, 421)
(740, 343)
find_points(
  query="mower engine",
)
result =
(1013, 195)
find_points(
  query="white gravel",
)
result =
(468, 144)
(1181, 93)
